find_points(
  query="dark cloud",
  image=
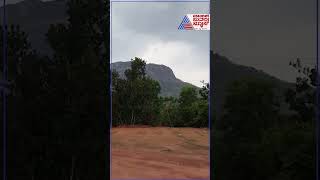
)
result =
(266, 34)
(150, 30)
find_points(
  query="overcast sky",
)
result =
(150, 31)
(265, 34)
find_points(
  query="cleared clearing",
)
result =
(160, 152)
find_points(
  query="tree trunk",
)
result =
(72, 168)
(131, 117)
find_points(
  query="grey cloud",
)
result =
(150, 30)
(266, 34)
(158, 18)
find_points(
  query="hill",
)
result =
(170, 85)
(224, 72)
(35, 17)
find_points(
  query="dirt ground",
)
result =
(159, 152)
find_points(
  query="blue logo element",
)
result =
(185, 24)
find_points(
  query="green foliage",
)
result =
(188, 95)
(302, 97)
(204, 91)
(201, 115)
(137, 71)
(253, 141)
(187, 111)
(136, 101)
(251, 106)
(26, 103)
(135, 98)
(168, 111)
(293, 148)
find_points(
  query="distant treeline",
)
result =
(136, 101)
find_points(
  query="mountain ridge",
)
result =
(169, 83)
(225, 72)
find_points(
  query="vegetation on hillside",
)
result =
(254, 141)
(136, 101)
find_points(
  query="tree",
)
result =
(251, 109)
(188, 95)
(204, 91)
(255, 142)
(168, 111)
(187, 113)
(78, 86)
(135, 98)
(302, 97)
(26, 103)
(251, 106)
(201, 116)
(57, 109)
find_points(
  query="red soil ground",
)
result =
(159, 152)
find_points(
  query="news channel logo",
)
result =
(195, 22)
